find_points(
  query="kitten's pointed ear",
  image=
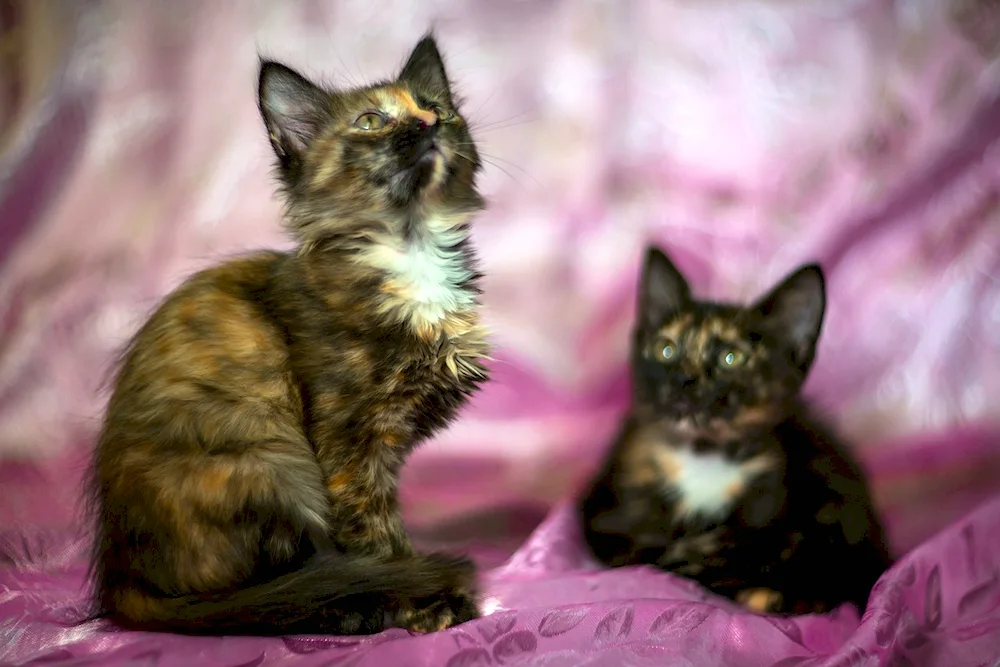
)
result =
(662, 290)
(793, 312)
(424, 69)
(294, 109)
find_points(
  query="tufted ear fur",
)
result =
(662, 290)
(793, 312)
(294, 110)
(424, 70)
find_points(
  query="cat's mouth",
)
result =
(425, 170)
(430, 157)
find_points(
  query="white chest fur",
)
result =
(707, 485)
(425, 273)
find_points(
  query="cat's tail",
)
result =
(331, 594)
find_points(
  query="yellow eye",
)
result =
(665, 351)
(731, 358)
(370, 121)
(441, 112)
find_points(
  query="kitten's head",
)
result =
(717, 370)
(369, 155)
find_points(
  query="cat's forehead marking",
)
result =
(722, 328)
(398, 102)
(700, 339)
(675, 328)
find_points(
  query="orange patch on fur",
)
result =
(338, 482)
(735, 489)
(754, 415)
(393, 289)
(647, 461)
(391, 439)
(760, 600)
(207, 570)
(666, 462)
(211, 484)
(137, 606)
(327, 402)
(406, 102)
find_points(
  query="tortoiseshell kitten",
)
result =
(721, 473)
(245, 478)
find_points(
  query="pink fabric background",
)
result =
(744, 136)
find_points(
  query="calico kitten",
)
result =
(245, 478)
(720, 472)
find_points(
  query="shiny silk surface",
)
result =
(744, 136)
(550, 605)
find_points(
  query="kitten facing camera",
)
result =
(721, 472)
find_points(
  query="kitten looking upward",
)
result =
(245, 477)
(721, 472)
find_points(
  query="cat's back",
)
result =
(209, 353)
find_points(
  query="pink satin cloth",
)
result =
(745, 136)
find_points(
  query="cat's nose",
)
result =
(428, 129)
(426, 119)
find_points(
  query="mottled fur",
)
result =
(245, 478)
(721, 472)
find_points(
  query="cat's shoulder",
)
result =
(241, 276)
(213, 316)
(811, 439)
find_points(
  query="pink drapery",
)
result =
(745, 136)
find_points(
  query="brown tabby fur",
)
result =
(245, 478)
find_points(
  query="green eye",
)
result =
(665, 351)
(370, 121)
(731, 358)
(442, 113)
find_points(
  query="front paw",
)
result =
(767, 601)
(760, 600)
(438, 612)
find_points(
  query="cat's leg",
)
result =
(360, 457)
(690, 554)
(827, 563)
(620, 524)
(366, 520)
(717, 560)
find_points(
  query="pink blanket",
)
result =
(746, 136)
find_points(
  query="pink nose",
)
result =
(426, 118)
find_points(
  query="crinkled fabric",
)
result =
(744, 136)
(549, 604)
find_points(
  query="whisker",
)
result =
(487, 101)
(493, 164)
(490, 156)
(471, 144)
(512, 165)
(501, 124)
(361, 73)
(345, 72)
(507, 173)
(502, 86)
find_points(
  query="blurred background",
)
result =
(744, 136)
